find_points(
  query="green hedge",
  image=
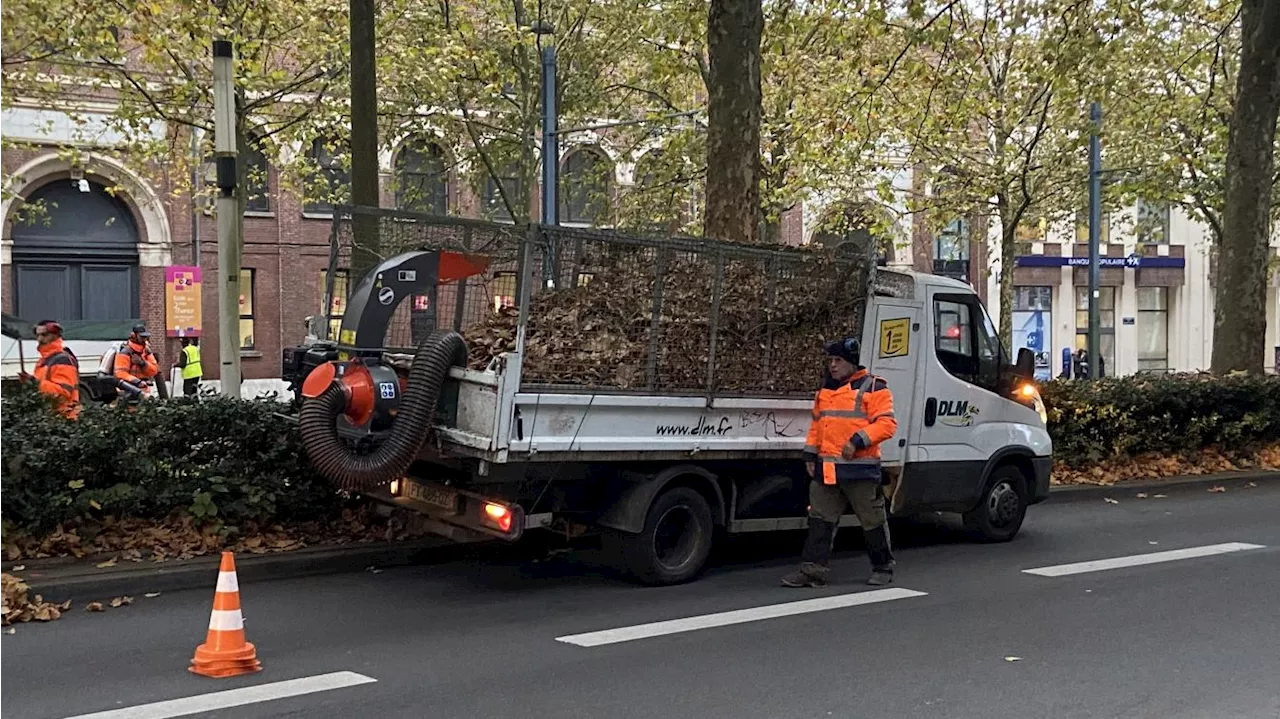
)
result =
(229, 460)
(237, 461)
(1128, 416)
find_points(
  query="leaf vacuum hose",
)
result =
(335, 458)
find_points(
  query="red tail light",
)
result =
(498, 515)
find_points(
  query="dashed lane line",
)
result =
(739, 616)
(1137, 560)
(234, 697)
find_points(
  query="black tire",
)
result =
(676, 540)
(999, 514)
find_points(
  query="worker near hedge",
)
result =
(57, 373)
(135, 363)
(189, 363)
(852, 416)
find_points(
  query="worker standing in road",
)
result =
(57, 374)
(189, 363)
(852, 415)
(135, 365)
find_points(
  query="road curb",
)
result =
(59, 581)
(1230, 480)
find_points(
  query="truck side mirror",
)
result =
(1025, 367)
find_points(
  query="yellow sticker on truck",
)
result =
(895, 337)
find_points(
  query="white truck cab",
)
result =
(967, 418)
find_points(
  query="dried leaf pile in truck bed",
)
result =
(599, 333)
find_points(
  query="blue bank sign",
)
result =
(1134, 261)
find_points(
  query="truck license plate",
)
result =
(435, 496)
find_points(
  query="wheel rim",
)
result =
(1003, 504)
(674, 538)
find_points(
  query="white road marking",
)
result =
(234, 697)
(1137, 560)
(740, 616)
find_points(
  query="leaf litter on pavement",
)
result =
(19, 607)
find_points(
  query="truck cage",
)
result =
(602, 311)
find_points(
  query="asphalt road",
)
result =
(1190, 637)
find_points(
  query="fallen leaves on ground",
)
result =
(1013, 659)
(94, 607)
(121, 601)
(1141, 495)
(1217, 489)
(183, 537)
(17, 607)
(151, 595)
(1155, 466)
(1109, 500)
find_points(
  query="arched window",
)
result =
(331, 181)
(422, 178)
(585, 187)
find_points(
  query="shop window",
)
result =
(1106, 325)
(1153, 329)
(965, 340)
(338, 299)
(247, 277)
(1033, 325)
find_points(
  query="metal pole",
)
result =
(1095, 230)
(224, 111)
(551, 164)
(195, 189)
(550, 139)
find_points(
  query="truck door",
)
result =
(961, 373)
(895, 346)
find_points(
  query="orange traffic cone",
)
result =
(225, 653)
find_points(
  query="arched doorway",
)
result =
(79, 259)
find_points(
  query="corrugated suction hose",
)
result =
(336, 460)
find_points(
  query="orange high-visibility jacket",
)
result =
(850, 418)
(135, 363)
(58, 375)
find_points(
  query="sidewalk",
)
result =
(82, 580)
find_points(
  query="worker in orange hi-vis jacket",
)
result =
(852, 416)
(57, 374)
(135, 364)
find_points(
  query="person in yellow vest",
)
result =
(189, 363)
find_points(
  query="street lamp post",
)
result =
(1095, 230)
(227, 210)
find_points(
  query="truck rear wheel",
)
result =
(676, 540)
(999, 514)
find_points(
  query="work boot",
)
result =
(809, 575)
(880, 552)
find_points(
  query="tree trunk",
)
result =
(364, 137)
(1008, 254)
(734, 32)
(1240, 315)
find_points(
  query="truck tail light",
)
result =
(498, 516)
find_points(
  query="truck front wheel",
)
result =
(999, 515)
(676, 540)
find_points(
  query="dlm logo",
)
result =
(956, 412)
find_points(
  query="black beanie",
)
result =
(848, 349)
